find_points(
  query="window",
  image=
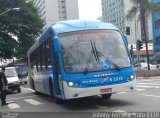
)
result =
(38, 59)
(48, 48)
(32, 60)
(40, 51)
(158, 40)
(43, 56)
(157, 23)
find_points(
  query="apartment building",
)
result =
(114, 11)
(52, 11)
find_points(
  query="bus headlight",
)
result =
(132, 77)
(70, 84)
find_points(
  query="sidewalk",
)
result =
(154, 77)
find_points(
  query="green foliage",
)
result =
(137, 5)
(144, 8)
(25, 24)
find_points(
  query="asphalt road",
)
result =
(144, 99)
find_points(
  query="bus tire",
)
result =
(106, 96)
(19, 90)
(51, 88)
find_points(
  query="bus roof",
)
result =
(73, 25)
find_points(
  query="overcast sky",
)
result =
(89, 9)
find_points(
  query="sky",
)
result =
(89, 9)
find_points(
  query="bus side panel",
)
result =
(45, 80)
(38, 82)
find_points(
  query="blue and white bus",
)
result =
(75, 59)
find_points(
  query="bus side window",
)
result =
(32, 60)
(37, 59)
(43, 56)
(40, 50)
(48, 48)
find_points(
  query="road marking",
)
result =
(121, 111)
(22, 97)
(147, 86)
(150, 95)
(33, 102)
(148, 80)
(140, 89)
(157, 87)
(123, 92)
(9, 102)
(13, 106)
(28, 89)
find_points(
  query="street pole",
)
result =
(136, 41)
(13, 9)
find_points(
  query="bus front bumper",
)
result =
(72, 93)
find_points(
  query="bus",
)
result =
(75, 59)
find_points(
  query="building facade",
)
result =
(115, 11)
(156, 32)
(52, 11)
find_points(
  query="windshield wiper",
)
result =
(99, 54)
(93, 52)
(115, 65)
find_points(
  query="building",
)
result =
(52, 11)
(114, 11)
(156, 32)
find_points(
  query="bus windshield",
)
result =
(79, 50)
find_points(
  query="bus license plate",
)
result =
(106, 90)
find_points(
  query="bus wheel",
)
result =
(51, 88)
(106, 96)
(19, 90)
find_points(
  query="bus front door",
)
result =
(57, 81)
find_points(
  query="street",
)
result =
(145, 98)
(72, 49)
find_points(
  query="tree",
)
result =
(26, 25)
(143, 8)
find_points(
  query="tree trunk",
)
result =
(143, 30)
